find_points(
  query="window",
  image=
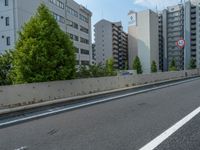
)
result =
(84, 62)
(84, 51)
(76, 38)
(72, 12)
(7, 21)
(57, 3)
(59, 18)
(83, 29)
(6, 2)
(8, 41)
(73, 37)
(76, 50)
(85, 41)
(83, 18)
(72, 24)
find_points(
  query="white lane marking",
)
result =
(162, 137)
(90, 103)
(22, 148)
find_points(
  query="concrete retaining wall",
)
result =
(25, 94)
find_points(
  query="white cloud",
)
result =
(153, 3)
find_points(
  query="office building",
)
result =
(143, 38)
(111, 42)
(73, 19)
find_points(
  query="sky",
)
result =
(117, 10)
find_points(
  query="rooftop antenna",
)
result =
(156, 8)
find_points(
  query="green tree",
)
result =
(137, 65)
(83, 72)
(153, 67)
(193, 64)
(173, 65)
(43, 52)
(97, 70)
(126, 65)
(110, 67)
(5, 67)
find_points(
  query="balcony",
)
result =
(175, 24)
(193, 21)
(193, 47)
(193, 11)
(178, 34)
(115, 46)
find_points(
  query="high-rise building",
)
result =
(192, 32)
(177, 22)
(111, 42)
(143, 38)
(72, 17)
(172, 30)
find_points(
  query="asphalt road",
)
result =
(187, 138)
(123, 124)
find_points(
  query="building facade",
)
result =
(111, 42)
(161, 39)
(181, 21)
(93, 54)
(172, 26)
(73, 19)
(192, 32)
(143, 38)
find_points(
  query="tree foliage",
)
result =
(137, 65)
(173, 65)
(5, 67)
(153, 67)
(193, 64)
(43, 52)
(126, 65)
(97, 70)
(91, 71)
(110, 67)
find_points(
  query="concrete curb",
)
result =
(70, 99)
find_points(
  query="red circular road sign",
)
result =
(181, 43)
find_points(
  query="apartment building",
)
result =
(143, 38)
(192, 32)
(181, 21)
(73, 19)
(172, 26)
(111, 42)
